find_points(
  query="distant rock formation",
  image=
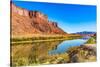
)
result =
(86, 33)
(25, 22)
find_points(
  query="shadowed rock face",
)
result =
(31, 22)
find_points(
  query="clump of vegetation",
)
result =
(91, 41)
(81, 54)
(19, 62)
(58, 58)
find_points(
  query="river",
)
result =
(63, 47)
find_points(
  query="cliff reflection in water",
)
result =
(27, 54)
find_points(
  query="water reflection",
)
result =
(62, 48)
(27, 54)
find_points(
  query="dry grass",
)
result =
(40, 38)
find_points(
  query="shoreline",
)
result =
(18, 40)
(91, 45)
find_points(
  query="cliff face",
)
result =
(31, 22)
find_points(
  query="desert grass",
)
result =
(40, 38)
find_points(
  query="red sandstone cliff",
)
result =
(31, 22)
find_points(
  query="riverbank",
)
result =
(82, 53)
(41, 38)
(91, 45)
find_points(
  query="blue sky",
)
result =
(70, 17)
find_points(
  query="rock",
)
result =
(81, 54)
(26, 22)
